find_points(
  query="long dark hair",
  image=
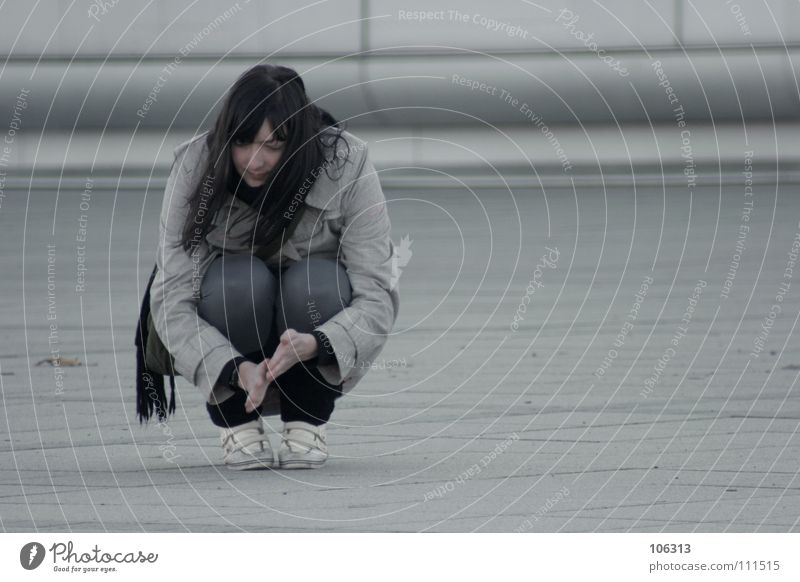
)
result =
(275, 93)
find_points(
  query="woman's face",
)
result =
(254, 161)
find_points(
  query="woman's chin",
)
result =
(253, 183)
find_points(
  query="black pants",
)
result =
(253, 305)
(305, 395)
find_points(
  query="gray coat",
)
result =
(346, 215)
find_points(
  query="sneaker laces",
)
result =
(303, 438)
(242, 437)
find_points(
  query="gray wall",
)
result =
(93, 64)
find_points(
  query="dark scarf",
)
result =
(150, 393)
(240, 188)
(250, 195)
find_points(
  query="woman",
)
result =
(272, 283)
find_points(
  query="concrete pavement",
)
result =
(483, 425)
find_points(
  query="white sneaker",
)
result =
(246, 446)
(302, 446)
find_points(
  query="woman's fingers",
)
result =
(254, 399)
(279, 363)
(249, 406)
(275, 367)
(263, 370)
(285, 356)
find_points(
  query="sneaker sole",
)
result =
(301, 464)
(254, 464)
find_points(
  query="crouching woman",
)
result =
(272, 287)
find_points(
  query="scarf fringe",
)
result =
(151, 397)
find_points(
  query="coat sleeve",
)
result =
(200, 350)
(359, 332)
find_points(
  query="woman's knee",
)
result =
(312, 291)
(237, 296)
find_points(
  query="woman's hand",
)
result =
(294, 347)
(253, 379)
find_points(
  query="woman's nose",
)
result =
(261, 159)
(257, 163)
